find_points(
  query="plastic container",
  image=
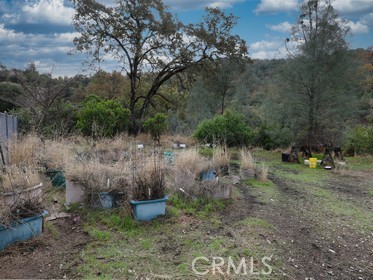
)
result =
(147, 210)
(312, 162)
(169, 157)
(57, 178)
(208, 175)
(102, 200)
(34, 192)
(75, 193)
(21, 230)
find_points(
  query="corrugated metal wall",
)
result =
(8, 128)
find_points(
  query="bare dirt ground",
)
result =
(317, 231)
(314, 248)
(47, 256)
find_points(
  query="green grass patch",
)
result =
(217, 244)
(146, 243)
(173, 211)
(200, 207)
(103, 262)
(116, 219)
(51, 229)
(267, 187)
(341, 210)
(359, 162)
(99, 235)
(304, 175)
(53, 192)
(206, 152)
(260, 184)
(320, 192)
(256, 222)
(264, 192)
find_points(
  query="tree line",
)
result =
(192, 73)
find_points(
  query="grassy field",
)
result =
(301, 223)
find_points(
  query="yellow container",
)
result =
(312, 162)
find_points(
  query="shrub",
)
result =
(271, 137)
(360, 140)
(156, 126)
(229, 129)
(99, 117)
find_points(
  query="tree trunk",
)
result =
(311, 120)
(223, 103)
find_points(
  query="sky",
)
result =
(40, 31)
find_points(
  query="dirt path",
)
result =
(309, 248)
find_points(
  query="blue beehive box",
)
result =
(208, 175)
(20, 230)
(147, 210)
(169, 157)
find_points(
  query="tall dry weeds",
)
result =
(220, 157)
(98, 177)
(263, 172)
(247, 160)
(149, 179)
(14, 178)
(191, 160)
(25, 151)
(56, 154)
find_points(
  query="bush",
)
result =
(99, 117)
(360, 140)
(269, 137)
(156, 126)
(229, 129)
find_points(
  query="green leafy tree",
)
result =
(222, 81)
(8, 94)
(156, 126)
(360, 140)
(150, 43)
(366, 82)
(316, 97)
(228, 129)
(99, 117)
(108, 85)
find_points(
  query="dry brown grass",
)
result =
(15, 178)
(341, 168)
(149, 179)
(179, 139)
(21, 173)
(121, 142)
(98, 177)
(56, 153)
(220, 157)
(189, 165)
(25, 151)
(191, 160)
(247, 160)
(263, 172)
(143, 138)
